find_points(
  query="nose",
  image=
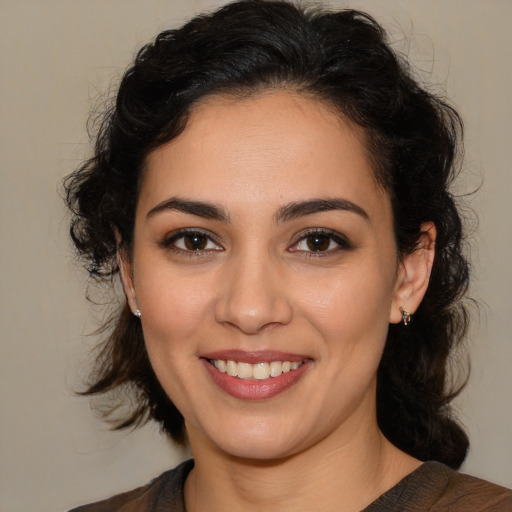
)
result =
(253, 296)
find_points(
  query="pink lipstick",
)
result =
(255, 375)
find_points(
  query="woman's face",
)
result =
(266, 270)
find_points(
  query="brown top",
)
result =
(432, 487)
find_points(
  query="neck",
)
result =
(331, 475)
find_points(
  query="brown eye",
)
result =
(191, 241)
(321, 241)
(318, 242)
(195, 241)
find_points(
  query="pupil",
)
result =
(195, 242)
(318, 242)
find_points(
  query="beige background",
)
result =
(57, 56)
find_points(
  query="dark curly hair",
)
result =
(413, 139)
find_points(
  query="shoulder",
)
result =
(164, 493)
(465, 492)
(438, 488)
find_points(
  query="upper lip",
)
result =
(256, 356)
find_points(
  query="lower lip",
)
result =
(253, 389)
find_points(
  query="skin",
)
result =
(256, 284)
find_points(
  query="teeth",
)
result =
(244, 370)
(220, 365)
(258, 371)
(276, 368)
(232, 368)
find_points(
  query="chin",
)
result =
(259, 441)
(258, 449)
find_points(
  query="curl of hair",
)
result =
(413, 140)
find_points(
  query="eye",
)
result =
(191, 241)
(316, 242)
(321, 241)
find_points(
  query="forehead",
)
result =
(270, 148)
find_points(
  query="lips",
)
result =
(255, 375)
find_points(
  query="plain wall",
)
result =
(57, 57)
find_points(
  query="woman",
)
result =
(272, 186)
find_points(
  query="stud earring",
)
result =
(406, 317)
(138, 313)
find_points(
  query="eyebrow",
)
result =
(198, 208)
(287, 212)
(298, 209)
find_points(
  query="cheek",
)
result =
(175, 315)
(347, 305)
(345, 295)
(173, 306)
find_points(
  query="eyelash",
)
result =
(169, 243)
(332, 236)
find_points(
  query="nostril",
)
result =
(250, 298)
(253, 320)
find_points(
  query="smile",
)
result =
(258, 375)
(257, 371)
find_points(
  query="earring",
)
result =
(406, 317)
(138, 313)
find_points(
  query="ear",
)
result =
(125, 268)
(414, 274)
